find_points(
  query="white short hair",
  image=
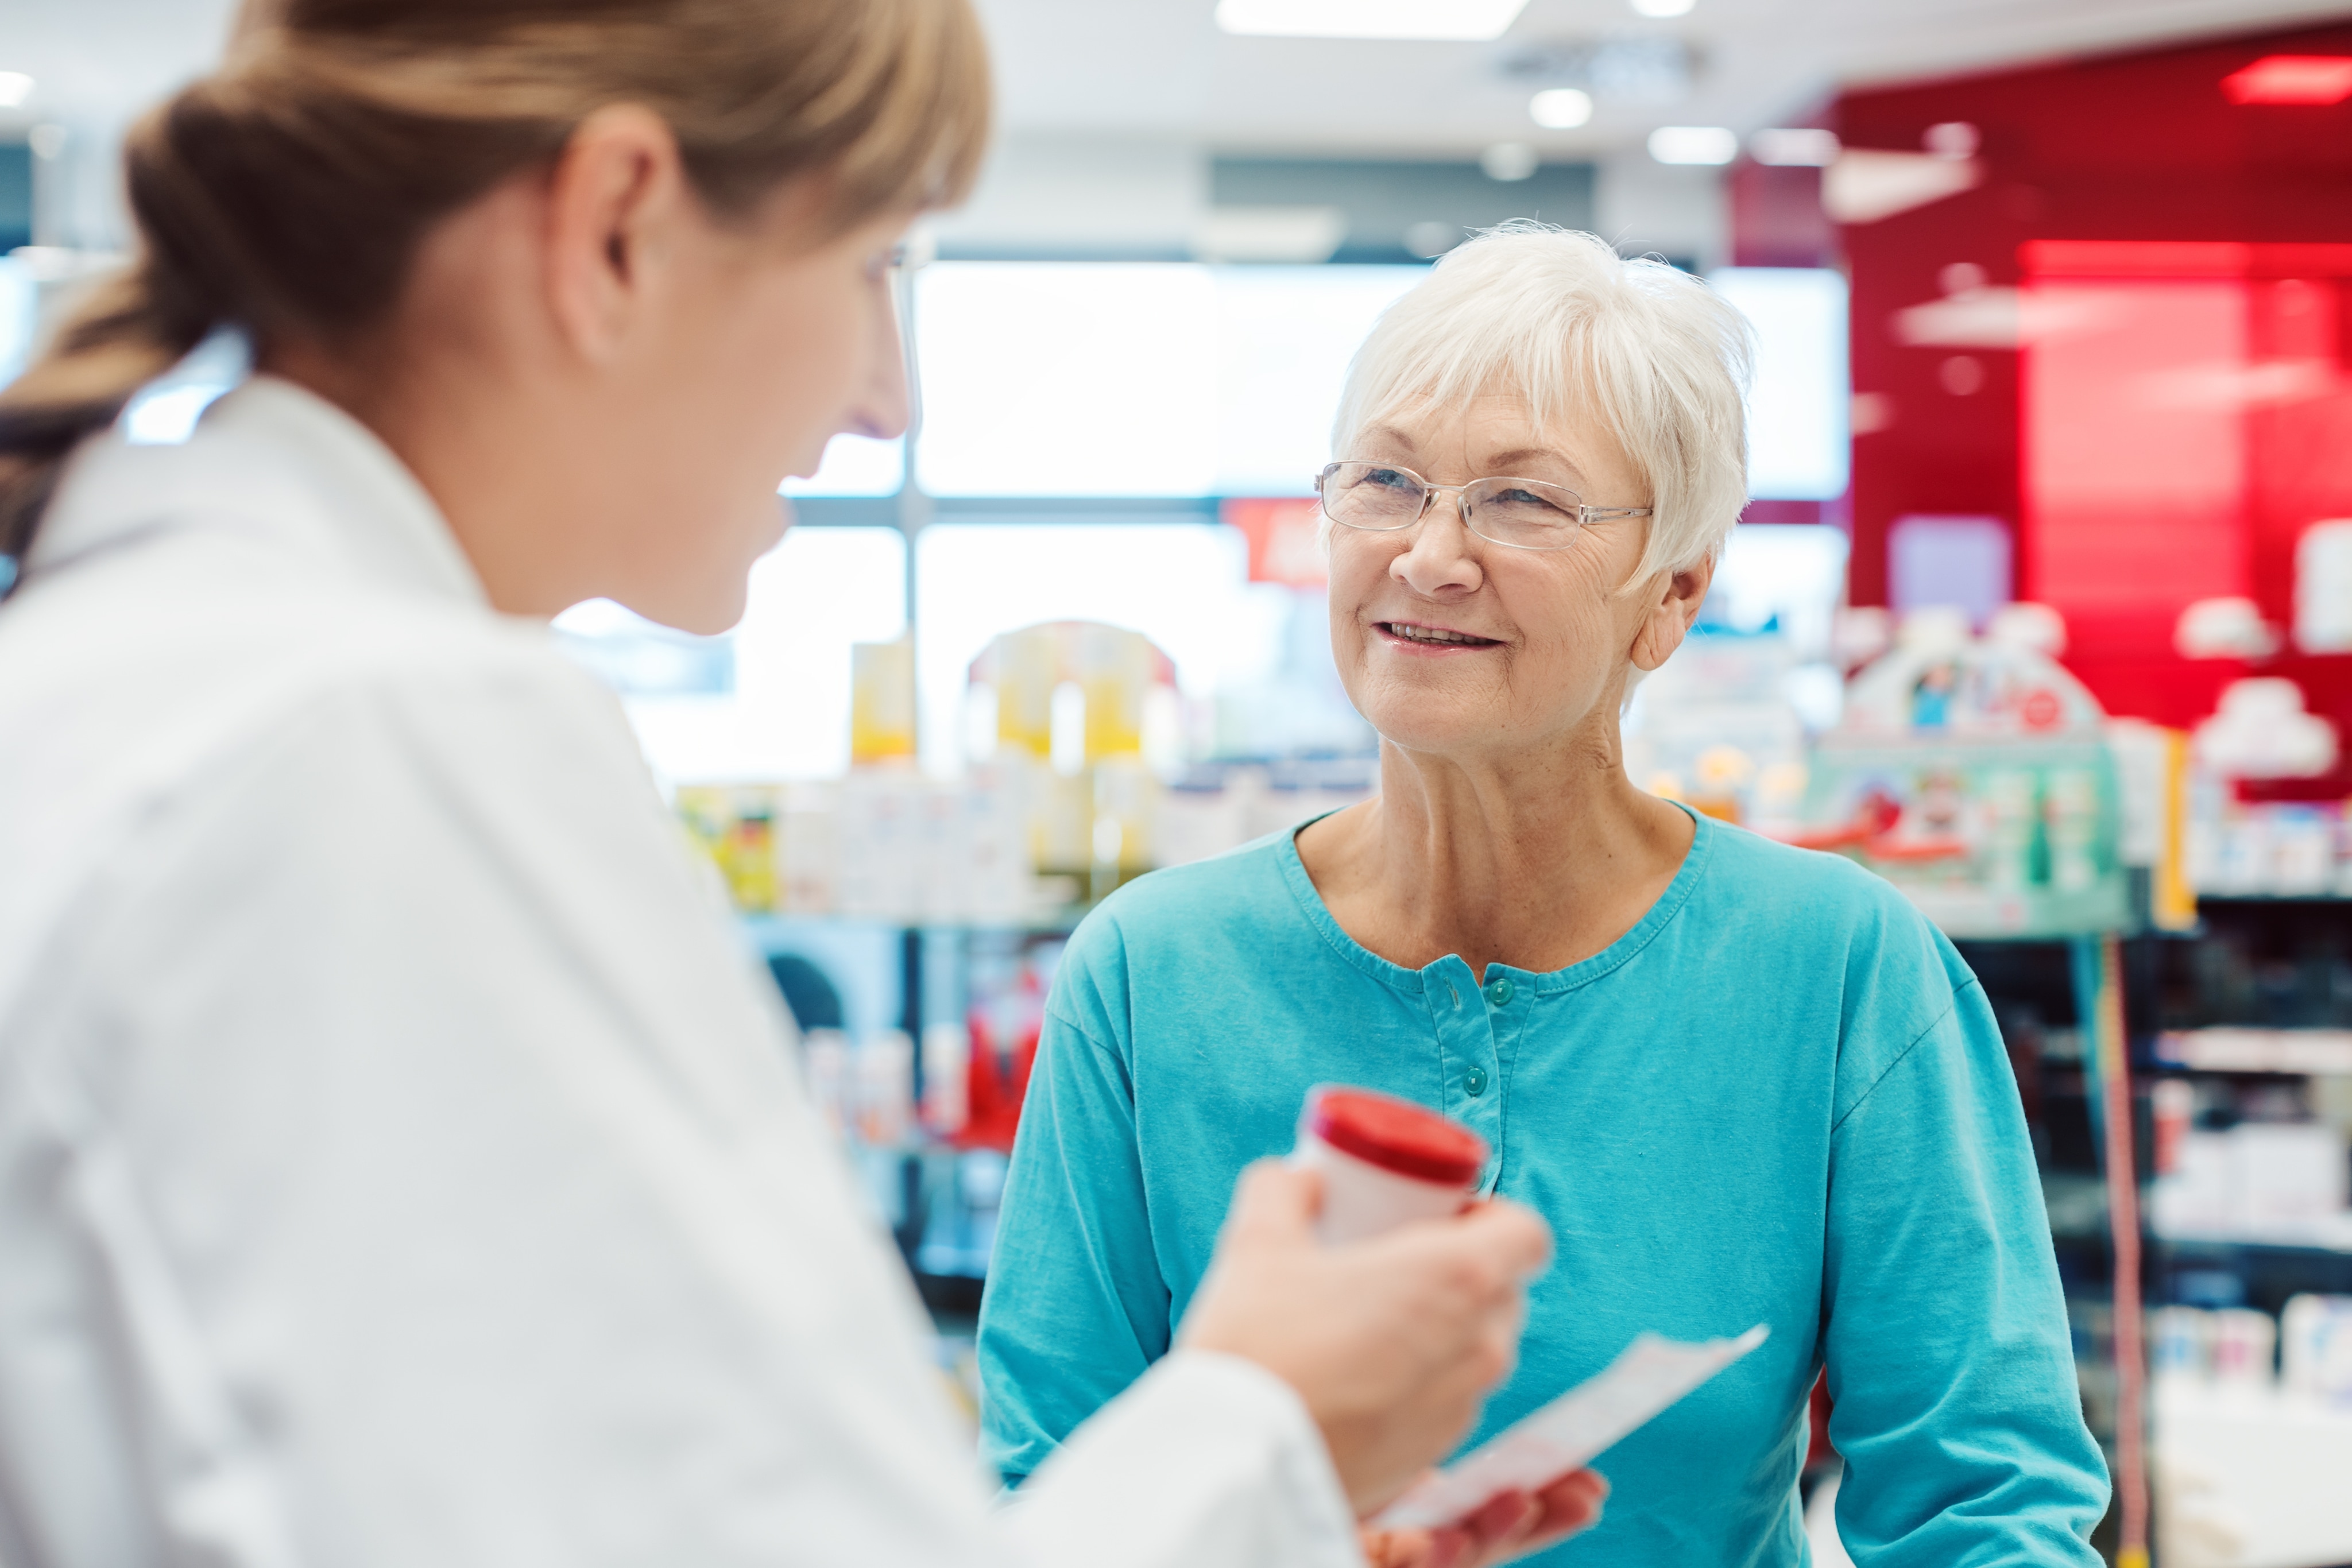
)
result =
(1561, 318)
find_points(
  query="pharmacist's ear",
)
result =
(1670, 604)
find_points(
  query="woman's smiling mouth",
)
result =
(1414, 635)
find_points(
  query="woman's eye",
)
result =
(1527, 499)
(1387, 478)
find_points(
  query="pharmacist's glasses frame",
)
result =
(1501, 511)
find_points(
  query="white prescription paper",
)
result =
(1572, 1431)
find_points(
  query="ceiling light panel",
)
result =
(1561, 108)
(1694, 144)
(1440, 21)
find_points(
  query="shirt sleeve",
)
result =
(459, 1205)
(1077, 1308)
(1950, 1371)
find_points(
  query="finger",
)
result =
(1448, 1548)
(1570, 1504)
(1276, 1203)
(1517, 1235)
(1396, 1548)
(1502, 1518)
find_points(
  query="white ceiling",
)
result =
(1160, 69)
(1160, 66)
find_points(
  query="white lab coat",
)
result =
(401, 1161)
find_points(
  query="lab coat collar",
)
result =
(271, 459)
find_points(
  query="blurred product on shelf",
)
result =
(1975, 774)
(2315, 1349)
(1078, 784)
(2283, 1183)
(882, 702)
(2237, 849)
(2261, 731)
(2251, 1460)
(1939, 680)
(1714, 729)
(890, 846)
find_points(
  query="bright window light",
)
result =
(1795, 146)
(1456, 21)
(1183, 585)
(2292, 78)
(1285, 335)
(788, 717)
(1662, 7)
(1693, 144)
(1067, 378)
(15, 87)
(1138, 378)
(855, 466)
(1798, 442)
(1561, 108)
(18, 295)
(1788, 573)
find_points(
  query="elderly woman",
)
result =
(1745, 1083)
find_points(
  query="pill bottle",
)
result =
(1383, 1161)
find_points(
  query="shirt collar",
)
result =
(272, 459)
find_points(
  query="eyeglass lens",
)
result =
(1522, 512)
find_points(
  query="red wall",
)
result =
(2144, 147)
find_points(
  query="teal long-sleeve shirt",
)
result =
(1779, 1098)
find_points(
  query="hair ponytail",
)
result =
(124, 335)
(287, 194)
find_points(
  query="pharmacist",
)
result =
(398, 1162)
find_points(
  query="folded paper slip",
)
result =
(1570, 1432)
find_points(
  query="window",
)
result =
(1798, 445)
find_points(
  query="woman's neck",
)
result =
(1538, 861)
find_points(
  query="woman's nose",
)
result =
(885, 405)
(1437, 558)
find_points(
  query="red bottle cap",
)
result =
(1396, 1136)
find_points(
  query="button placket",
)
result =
(1468, 1072)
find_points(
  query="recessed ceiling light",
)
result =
(1453, 21)
(1561, 108)
(1795, 145)
(15, 87)
(1509, 161)
(2292, 78)
(1663, 8)
(1693, 144)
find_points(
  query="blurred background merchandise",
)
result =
(2041, 610)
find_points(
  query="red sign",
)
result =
(1284, 545)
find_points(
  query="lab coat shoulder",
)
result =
(498, 1194)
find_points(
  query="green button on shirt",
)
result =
(1780, 1098)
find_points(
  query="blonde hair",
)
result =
(1559, 318)
(287, 193)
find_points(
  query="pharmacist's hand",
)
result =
(1511, 1525)
(1390, 1342)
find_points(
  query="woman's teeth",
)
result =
(1431, 634)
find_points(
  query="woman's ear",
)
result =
(1670, 614)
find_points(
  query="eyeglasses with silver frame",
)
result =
(1522, 514)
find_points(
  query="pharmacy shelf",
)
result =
(2227, 1049)
(2250, 1478)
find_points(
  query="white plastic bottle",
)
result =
(1384, 1161)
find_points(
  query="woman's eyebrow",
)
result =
(1391, 432)
(1501, 460)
